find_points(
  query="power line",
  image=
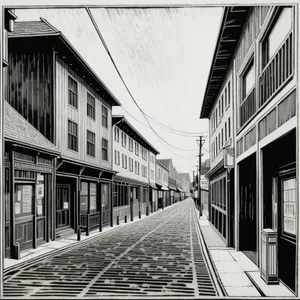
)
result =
(112, 60)
(165, 128)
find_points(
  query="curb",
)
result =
(211, 266)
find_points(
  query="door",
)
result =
(105, 203)
(63, 214)
(24, 212)
(287, 217)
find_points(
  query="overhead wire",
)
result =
(125, 85)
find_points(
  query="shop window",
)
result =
(90, 143)
(104, 149)
(93, 197)
(84, 194)
(23, 200)
(72, 136)
(40, 195)
(104, 116)
(88, 198)
(73, 97)
(91, 106)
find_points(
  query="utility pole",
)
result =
(201, 141)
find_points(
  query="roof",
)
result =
(43, 29)
(128, 128)
(20, 131)
(161, 165)
(233, 21)
(165, 162)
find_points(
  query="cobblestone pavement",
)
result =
(157, 256)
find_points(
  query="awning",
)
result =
(164, 188)
(180, 190)
(153, 185)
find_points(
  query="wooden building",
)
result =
(162, 182)
(55, 90)
(257, 49)
(29, 168)
(131, 186)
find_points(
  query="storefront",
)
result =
(163, 196)
(153, 198)
(29, 180)
(130, 199)
(280, 202)
(83, 198)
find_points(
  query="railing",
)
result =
(88, 222)
(248, 107)
(277, 71)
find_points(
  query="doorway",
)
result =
(248, 216)
(63, 215)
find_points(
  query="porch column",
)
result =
(52, 221)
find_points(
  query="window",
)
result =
(130, 144)
(124, 161)
(88, 198)
(72, 136)
(144, 153)
(91, 106)
(117, 134)
(220, 109)
(222, 133)
(152, 174)
(120, 195)
(277, 34)
(104, 149)
(23, 200)
(229, 127)
(248, 79)
(222, 105)
(117, 157)
(144, 171)
(225, 131)
(124, 139)
(219, 141)
(217, 121)
(225, 96)
(73, 98)
(137, 167)
(228, 89)
(130, 164)
(90, 143)
(104, 116)
(137, 149)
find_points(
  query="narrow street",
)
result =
(158, 256)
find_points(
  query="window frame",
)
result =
(117, 134)
(72, 92)
(104, 149)
(91, 107)
(90, 143)
(72, 135)
(104, 119)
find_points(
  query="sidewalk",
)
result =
(238, 274)
(53, 247)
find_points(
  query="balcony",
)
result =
(248, 107)
(277, 72)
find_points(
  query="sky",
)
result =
(164, 56)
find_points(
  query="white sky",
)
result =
(164, 56)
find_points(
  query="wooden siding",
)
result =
(250, 33)
(30, 87)
(287, 108)
(250, 138)
(267, 124)
(65, 112)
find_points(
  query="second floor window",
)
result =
(248, 80)
(72, 135)
(137, 167)
(130, 164)
(152, 174)
(90, 143)
(104, 149)
(137, 149)
(90, 106)
(124, 161)
(144, 153)
(124, 139)
(117, 134)
(104, 116)
(130, 144)
(117, 157)
(73, 93)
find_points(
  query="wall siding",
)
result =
(64, 112)
(30, 86)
